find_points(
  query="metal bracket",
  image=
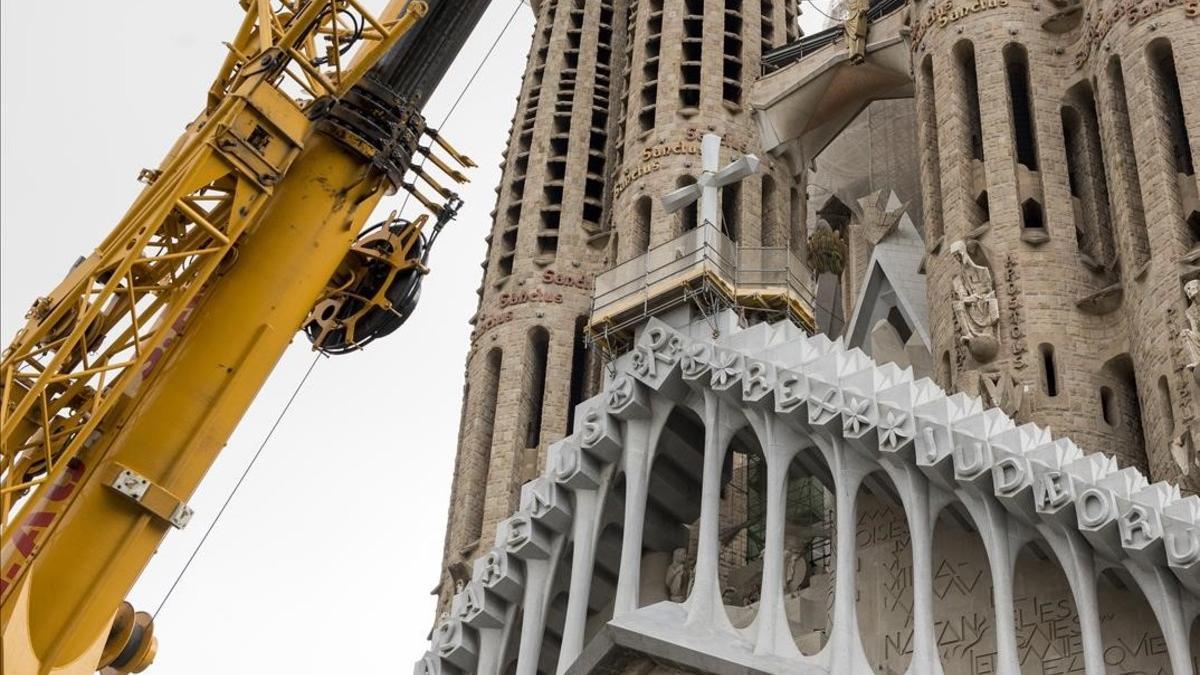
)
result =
(181, 516)
(154, 498)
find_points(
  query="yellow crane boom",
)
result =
(129, 377)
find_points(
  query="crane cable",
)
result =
(814, 5)
(312, 366)
(238, 484)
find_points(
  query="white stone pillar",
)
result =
(772, 634)
(922, 504)
(844, 653)
(533, 621)
(1002, 544)
(1162, 591)
(589, 505)
(705, 606)
(1079, 565)
(641, 440)
(529, 540)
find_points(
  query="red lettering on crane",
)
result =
(30, 531)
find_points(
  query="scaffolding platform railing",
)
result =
(710, 271)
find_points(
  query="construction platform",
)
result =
(708, 270)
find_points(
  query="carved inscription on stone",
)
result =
(1047, 627)
(535, 296)
(1098, 22)
(498, 316)
(486, 322)
(1016, 327)
(944, 13)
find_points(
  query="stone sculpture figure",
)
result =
(855, 27)
(975, 305)
(795, 572)
(677, 586)
(1190, 336)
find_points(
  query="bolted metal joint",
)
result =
(152, 497)
(131, 484)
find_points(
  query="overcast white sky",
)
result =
(324, 560)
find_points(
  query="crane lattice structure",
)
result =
(128, 377)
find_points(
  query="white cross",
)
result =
(707, 188)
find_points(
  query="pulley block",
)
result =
(131, 645)
(374, 290)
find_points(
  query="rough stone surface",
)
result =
(1090, 302)
(1077, 562)
(1131, 352)
(580, 155)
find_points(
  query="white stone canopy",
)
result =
(803, 395)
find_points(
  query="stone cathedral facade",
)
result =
(615, 98)
(1008, 191)
(1057, 146)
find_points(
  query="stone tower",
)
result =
(686, 71)
(1061, 215)
(615, 97)
(1060, 276)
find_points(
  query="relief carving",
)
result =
(1184, 453)
(1190, 336)
(795, 572)
(960, 358)
(855, 28)
(999, 389)
(975, 306)
(677, 582)
(1183, 374)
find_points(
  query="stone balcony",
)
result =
(706, 270)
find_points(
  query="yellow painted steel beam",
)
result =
(182, 417)
(131, 375)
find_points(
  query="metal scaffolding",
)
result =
(706, 270)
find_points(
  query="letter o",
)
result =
(1094, 508)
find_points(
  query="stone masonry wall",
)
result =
(545, 247)
(570, 205)
(1083, 281)
(690, 66)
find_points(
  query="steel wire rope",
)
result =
(279, 418)
(814, 5)
(238, 484)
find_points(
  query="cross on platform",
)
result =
(707, 188)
